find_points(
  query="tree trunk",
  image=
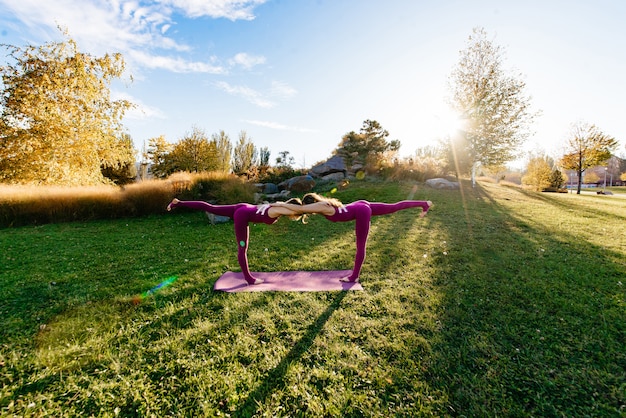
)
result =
(474, 167)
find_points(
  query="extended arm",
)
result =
(322, 208)
(282, 210)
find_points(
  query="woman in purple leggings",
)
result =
(242, 214)
(360, 211)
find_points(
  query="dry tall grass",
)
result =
(35, 205)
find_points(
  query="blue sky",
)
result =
(297, 75)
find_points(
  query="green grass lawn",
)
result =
(500, 302)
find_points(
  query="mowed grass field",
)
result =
(500, 302)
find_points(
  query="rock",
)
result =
(298, 184)
(334, 164)
(440, 183)
(266, 188)
(356, 167)
(334, 177)
(217, 219)
(275, 197)
(270, 188)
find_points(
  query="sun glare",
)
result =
(447, 123)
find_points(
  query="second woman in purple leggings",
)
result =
(360, 211)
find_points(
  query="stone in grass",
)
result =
(217, 219)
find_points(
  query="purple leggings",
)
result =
(362, 211)
(242, 214)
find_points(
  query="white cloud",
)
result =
(229, 9)
(246, 61)
(136, 29)
(175, 64)
(278, 91)
(282, 90)
(247, 93)
(140, 111)
(278, 126)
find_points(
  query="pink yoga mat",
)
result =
(287, 281)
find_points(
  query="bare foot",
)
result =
(172, 204)
(424, 212)
(348, 280)
(254, 280)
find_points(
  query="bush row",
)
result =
(36, 205)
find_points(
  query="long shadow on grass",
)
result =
(275, 379)
(581, 206)
(99, 290)
(531, 318)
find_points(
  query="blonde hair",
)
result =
(296, 201)
(314, 197)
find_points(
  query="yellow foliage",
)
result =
(58, 124)
(538, 174)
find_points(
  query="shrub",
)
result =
(146, 197)
(216, 187)
(35, 205)
(28, 205)
(277, 175)
(420, 170)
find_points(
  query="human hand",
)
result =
(261, 209)
(342, 209)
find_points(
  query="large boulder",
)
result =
(334, 164)
(440, 183)
(298, 184)
(266, 188)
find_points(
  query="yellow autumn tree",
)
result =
(538, 173)
(586, 147)
(194, 153)
(58, 123)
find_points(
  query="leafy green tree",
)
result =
(493, 104)
(223, 151)
(368, 146)
(557, 180)
(264, 163)
(284, 160)
(157, 155)
(244, 154)
(586, 147)
(194, 153)
(264, 157)
(58, 124)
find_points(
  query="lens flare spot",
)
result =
(138, 298)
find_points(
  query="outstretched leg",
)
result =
(387, 208)
(221, 210)
(363, 214)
